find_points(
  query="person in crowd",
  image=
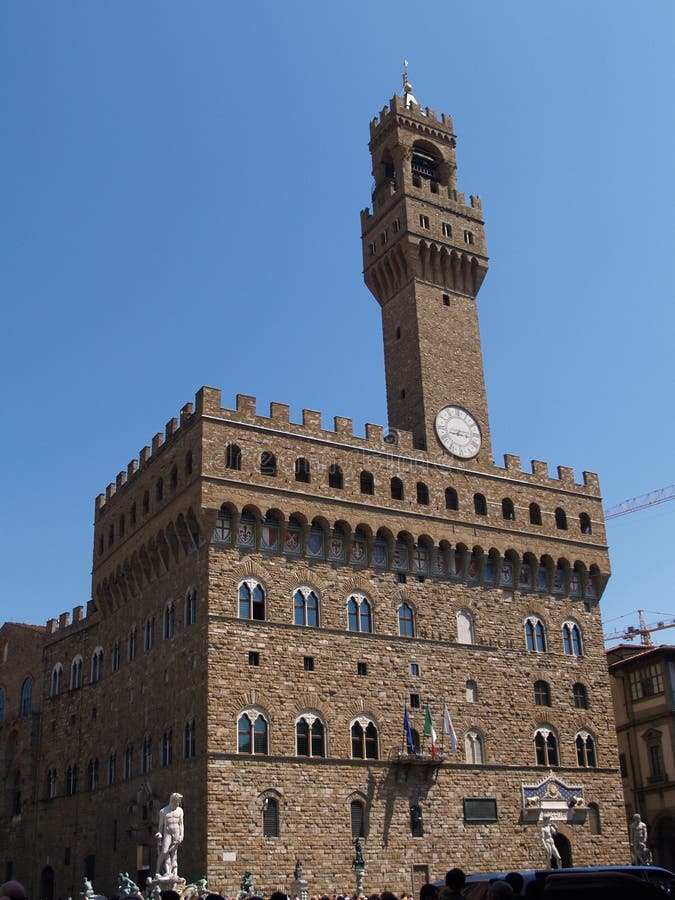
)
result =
(428, 892)
(517, 882)
(455, 880)
(12, 890)
(499, 889)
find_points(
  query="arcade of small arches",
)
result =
(405, 555)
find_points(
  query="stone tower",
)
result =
(424, 261)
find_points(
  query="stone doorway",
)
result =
(564, 849)
(47, 883)
(420, 876)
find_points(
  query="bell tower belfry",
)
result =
(424, 261)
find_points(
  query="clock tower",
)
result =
(424, 261)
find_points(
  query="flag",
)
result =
(408, 731)
(430, 731)
(449, 730)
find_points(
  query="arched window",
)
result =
(585, 750)
(480, 504)
(233, 457)
(55, 681)
(465, 633)
(535, 514)
(585, 523)
(149, 633)
(542, 693)
(396, 489)
(306, 607)
(128, 762)
(594, 824)
(302, 470)
(359, 613)
(545, 747)
(406, 622)
(422, 493)
(112, 767)
(560, 519)
(268, 463)
(51, 784)
(146, 755)
(364, 739)
(471, 691)
(76, 673)
(115, 656)
(357, 815)
(580, 696)
(270, 808)
(189, 743)
(451, 499)
(131, 644)
(474, 748)
(92, 775)
(335, 477)
(26, 699)
(310, 736)
(169, 620)
(416, 822)
(535, 635)
(367, 483)
(96, 664)
(251, 600)
(508, 509)
(252, 733)
(167, 747)
(191, 606)
(572, 639)
(71, 781)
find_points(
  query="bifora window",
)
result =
(359, 613)
(364, 739)
(251, 600)
(310, 736)
(535, 636)
(252, 733)
(572, 639)
(306, 607)
(546, 747)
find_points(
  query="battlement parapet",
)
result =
(158, 442)
(81, 616)
(208, 404)
(397, 107)
(455, 200)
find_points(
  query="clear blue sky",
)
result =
(181, 186)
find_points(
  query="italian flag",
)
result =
(430, 731)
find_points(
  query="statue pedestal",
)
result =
(166, 883)
(299, 888)
(358, 871)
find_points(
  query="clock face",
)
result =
(458, 431)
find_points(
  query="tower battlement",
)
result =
(417, 118)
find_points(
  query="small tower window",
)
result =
(367, 483)
(398, 332)
(424, 221)
(447, 229)
(451, 500)
(585, 523)
(535, 514)
(446, 300)
(396, 225)
(384, 237)
(422, 493)
(335, 477)
(480, 504)
(468, 237)
(232, 457)
(560, 519)
(508, 510)
(268, 463)
(302, 470)
(396, 489)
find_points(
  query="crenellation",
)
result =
(311, 419)
(280, 412)
(171, 428)
(78, 614)
(374, 433)
(512, 463)
(132, 468)
(246, 407)
(343, 426)
(64, 620)
(110, 491)
(144, 455)
(185, 414)
(99, 504)
(592, 481)
(157, 441)
(120, 480)
(540, 468)
(51, 626)
(566, 474)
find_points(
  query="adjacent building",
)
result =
(643, 690)
(271, 599)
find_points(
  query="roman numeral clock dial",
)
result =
(458, 431)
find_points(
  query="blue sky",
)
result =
(181, 186)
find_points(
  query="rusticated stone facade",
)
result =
(268, 598)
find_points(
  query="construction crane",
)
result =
(653, 498)
(645, 631)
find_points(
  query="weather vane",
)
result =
(407, 87)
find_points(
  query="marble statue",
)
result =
(548, 832)
(638, 842)
(169, 836)
(127, 887)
